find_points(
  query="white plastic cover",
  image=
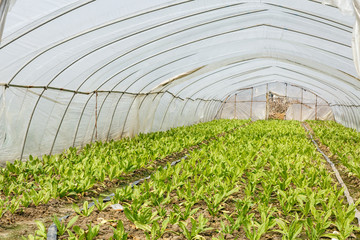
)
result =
(75, 71)
(276, 100)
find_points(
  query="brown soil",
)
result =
(352, 182)
(109, 217)
(22, 222)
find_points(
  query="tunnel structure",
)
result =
(77, 71)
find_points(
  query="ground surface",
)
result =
(263, 146)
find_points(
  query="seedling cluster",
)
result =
(265, 179)
(75, 172)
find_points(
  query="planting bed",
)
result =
(40, 188)
(342, 145)
(261, 181)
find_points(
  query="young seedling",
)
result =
(92, 232)
(100, 204)
(40, 233)
(86, 211)
(290, 231)
(155, 232)
(197, 226)
(61, 227)
(119, 232)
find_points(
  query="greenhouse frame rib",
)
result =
(166, 63)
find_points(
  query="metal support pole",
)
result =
(316, 105)
(235, 107)
(251, 104)
(96, 102)
(267, 102)
(286, 97)
(222, 106)
(301, 105)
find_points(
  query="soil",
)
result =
(22, 222)
(351, 181)
(109, 217)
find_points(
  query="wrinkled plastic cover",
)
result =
(76, 71)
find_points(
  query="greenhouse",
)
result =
(182, 119)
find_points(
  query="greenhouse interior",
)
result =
(179, 119)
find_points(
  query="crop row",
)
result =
(263, 180)
(39, 180)
(342, 141)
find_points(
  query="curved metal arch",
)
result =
(310, 14)
(224, 79)
(245, 61)
(189, 85)
(42, 23)
(251, 78)
(277, 81)
(268, 81)
(294, 79)
(63, 118)
(85, 105)
(142, 76)
(30, 120)
(131, 34)
(188, 43)
(330, 52)
(112, 23)
(272, 81)
(304, 88)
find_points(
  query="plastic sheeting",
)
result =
(76, 71)
(276, 100)
(351, 7)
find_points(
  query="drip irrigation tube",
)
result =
(349, 199)
(52, 230)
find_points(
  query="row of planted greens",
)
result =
(263, 181)
(38, 180)
(342, 141)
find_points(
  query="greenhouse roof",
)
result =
(60, 60)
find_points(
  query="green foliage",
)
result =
(119, 232)
(100, 204)
(268, 174)
(86, 210)
(76, 171)
(61, 227)
(197, 226)
(290, 231)
(40, 233)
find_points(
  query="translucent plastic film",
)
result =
(77, 71)
(276, 101)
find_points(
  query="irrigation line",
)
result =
(349, 199)
(52, 230)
